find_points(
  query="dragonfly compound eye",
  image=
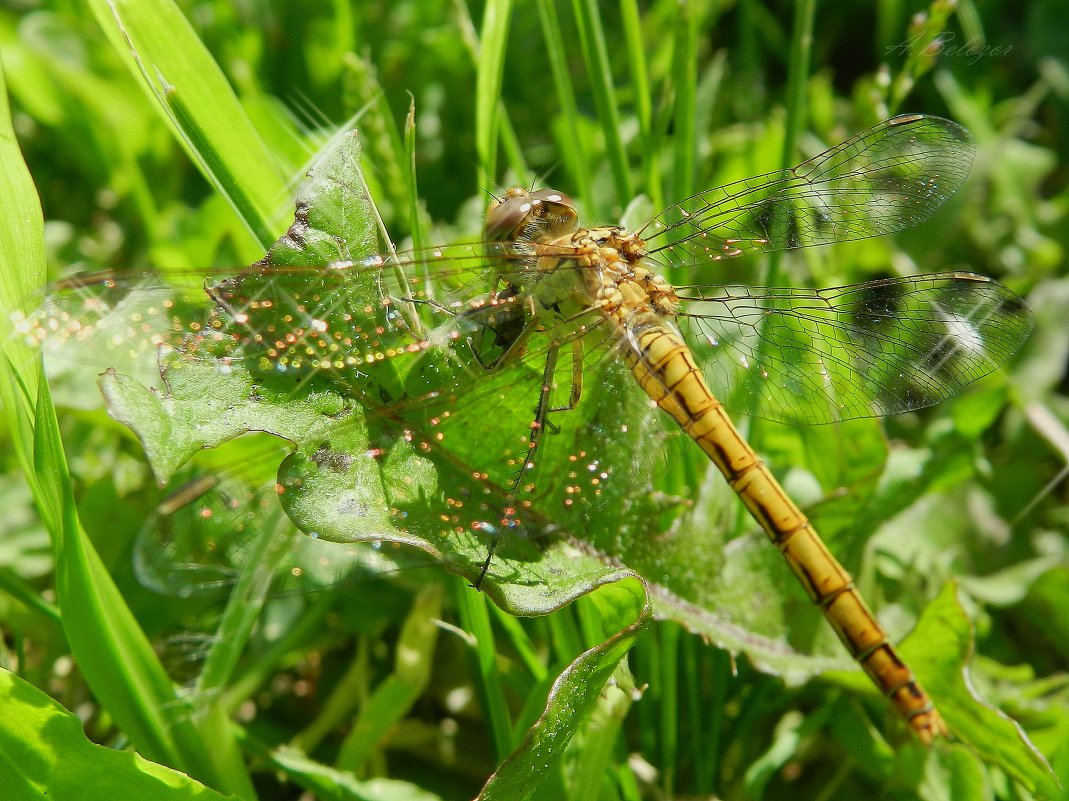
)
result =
(506, 219)
(523, 215)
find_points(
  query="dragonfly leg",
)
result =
(538, 426)
(577, 385)
(577, 378)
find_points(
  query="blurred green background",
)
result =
(607, 102)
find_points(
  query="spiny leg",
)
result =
(577, 378)
(538, 426)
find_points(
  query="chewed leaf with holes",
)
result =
(385, 450)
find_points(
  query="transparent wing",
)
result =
(872, 349)
(214, 528)
(443, 423)
(888, 178)
(301, 320)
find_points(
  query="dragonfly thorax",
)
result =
(631, 288)
(599, 268)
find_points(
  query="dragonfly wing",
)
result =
(209, 531)
(333, 320)
(872, 349)
(888, 178)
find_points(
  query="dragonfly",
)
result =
(543, 303)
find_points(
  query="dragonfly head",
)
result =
(524, 216)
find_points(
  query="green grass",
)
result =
(188, 157)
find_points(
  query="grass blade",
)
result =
(163, 51)
(596, 58)
(490, 65)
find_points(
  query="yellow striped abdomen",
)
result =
(665, 369)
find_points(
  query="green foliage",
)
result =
(46, 755)
(153, 141)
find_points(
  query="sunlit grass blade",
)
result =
(599, 71)
(192, 95)
(640, 80)
(573, 148)
(392, 699)
(475, 618)
(415, 209)
(490, 65)
(798, 75)
(685, 81)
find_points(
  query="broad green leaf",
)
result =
(44, 754)
(335, 486)
(938, 649)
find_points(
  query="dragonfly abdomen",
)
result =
(665, 369)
